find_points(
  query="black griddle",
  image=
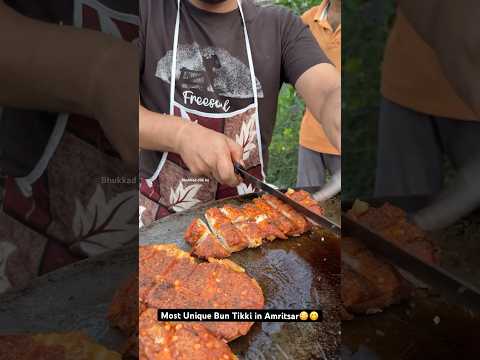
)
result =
(425, 327)
(74, 298)
(301, 272)
(297, 273)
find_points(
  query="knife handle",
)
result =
(238, 168)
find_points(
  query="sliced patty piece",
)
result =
(178, 341)
(204, 243)
(252, 233)
(223, 228)
(249, 213)
(234, 213)
(368, 282)
(305, 199)
(210, 246)
(277, 218)
(195, 231)
(267, 225)
(246, 224)
(251, 219)
(248, 227)
(391, 222)
(301, 224)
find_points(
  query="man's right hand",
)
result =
(208, 153)
(204, 151)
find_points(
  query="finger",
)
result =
(226, 172)
(236, 152)
(210, 161)
(216, 175)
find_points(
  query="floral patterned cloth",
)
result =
(77, 201)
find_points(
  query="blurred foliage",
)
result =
(298, 6)
(282, 166)
(365, 28)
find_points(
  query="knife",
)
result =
(313, 217)
(450, 286)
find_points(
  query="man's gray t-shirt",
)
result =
(282, 50)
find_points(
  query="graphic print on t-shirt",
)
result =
(213, 89)
(208, 77)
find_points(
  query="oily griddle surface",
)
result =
(296, 273)
(425, 327)
(74, 298)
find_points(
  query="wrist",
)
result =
(114, 80)
(179, 137)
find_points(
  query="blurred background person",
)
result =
(316, 155)
(424, 121)
(421, 118)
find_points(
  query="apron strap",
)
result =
(254, 85)
(249, 55)
(25, 183)
(174, 60)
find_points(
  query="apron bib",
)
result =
(172, 187)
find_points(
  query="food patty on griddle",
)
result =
(53, 346)
(170, 278)
(234, 228)
(179, 340)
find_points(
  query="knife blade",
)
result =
(450, 286)
(313, 217)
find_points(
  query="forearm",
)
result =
(328, 109)
(159, 132)
(320, 87)
(51, 67)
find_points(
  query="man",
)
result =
(316, 155)
(423, 119)
(64, 130)
(210, 76)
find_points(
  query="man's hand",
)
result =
(204, 151)
(116, 110)
(320, 87)
(209, 153)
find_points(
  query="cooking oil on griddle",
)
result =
(424, 328)
(298, 273)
